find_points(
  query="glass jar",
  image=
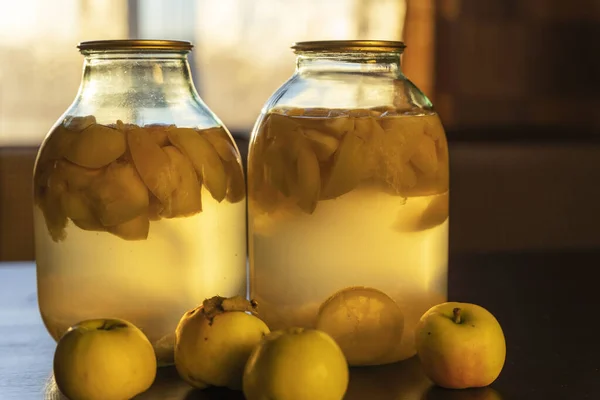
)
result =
(139, 196)
(348, 201)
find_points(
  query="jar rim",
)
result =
(370, 46)
(137, 44)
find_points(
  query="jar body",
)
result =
(139, 210)
(348, 187)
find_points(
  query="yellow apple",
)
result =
(460, 345)
(104, 359)
(296, 364)
(214, 341)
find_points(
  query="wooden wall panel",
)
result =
(16, 203)
(518, 62)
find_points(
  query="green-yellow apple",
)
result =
(460, 345)
(296, 364)
(104, 359)
(214, 341)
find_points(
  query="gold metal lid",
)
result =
(373, 46)
(115, 45)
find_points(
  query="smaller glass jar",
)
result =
(348, 201)
(139, 196)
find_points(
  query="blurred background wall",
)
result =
(515, 83)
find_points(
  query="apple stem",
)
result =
(219, 305)
(457, 319)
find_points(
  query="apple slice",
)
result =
(74, 176)
(336, 126)
(53, 148)
(77, 206)
(407, 176)
(434, 127)
(236, 185)
(158, 133)
(56, 144)
(403, 134)
(221, 142)
(425, 157)
(256, 154)
(134, 229)
(346, 169)
(322, 144)
(123, 127)
(204, 158)
(422, 213)
(373, 149)
(281, 125)
(155, 208)
(277, 170)
(96, 146)
(186, 200)
(63, 194)
(435, 213)
(79, 123)
(51, 206)
(309, 179)
(89, 225)
(152, 164)
(435, 182)
(118, 195)
(281, 163)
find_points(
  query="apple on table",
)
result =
(460, 345)
(104, 359)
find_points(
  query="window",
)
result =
(242, 49)
(41, 68)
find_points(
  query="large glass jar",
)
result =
(139, 196)
(348, 201)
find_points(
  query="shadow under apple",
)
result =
(404, 380)
(484, 393)
(167, 385)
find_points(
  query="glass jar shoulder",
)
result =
(350, 90)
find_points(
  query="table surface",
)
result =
(546, 304)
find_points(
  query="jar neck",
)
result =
(163, 76)
(310, 63)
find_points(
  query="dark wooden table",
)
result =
(548, 305)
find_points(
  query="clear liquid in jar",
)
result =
(141, 233)
(340, 199)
